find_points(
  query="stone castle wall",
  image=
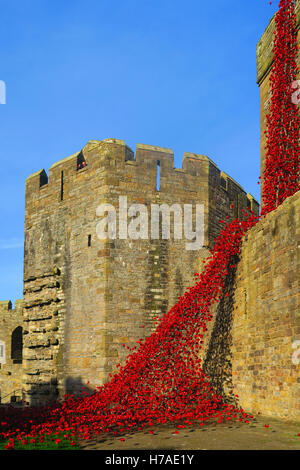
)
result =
(266, 315)
(252, 347)
(84, 298)
(11, 325)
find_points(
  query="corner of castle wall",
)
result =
(35, 181)
(198, 165)
(254, 205)
(118, 147)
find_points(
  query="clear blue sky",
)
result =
(176, 74)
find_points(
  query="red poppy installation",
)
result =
(162, 379)
(281, 172)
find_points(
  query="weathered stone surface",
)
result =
(266, 315)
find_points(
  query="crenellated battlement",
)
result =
(6, 306)
(112, 157)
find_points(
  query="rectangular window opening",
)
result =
(62, 186)
(158, 175)
(89, 240)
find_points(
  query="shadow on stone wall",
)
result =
(74, 386)
(217, 363)
(49, 391)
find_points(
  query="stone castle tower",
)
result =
(85, 298)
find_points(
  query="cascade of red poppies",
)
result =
(281, 172)
(162, 379)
